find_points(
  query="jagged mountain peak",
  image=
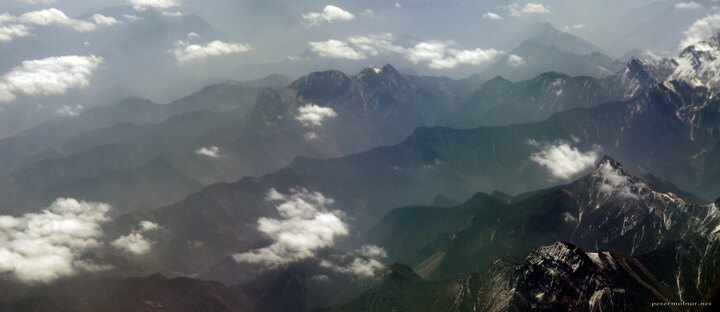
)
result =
(386, 70)
(322, 86)
(386, 76)
(699, 64)
(558, 251)
(610, 169)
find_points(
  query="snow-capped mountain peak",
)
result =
(612, 179)
(699, 64)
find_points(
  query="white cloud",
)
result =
(613, 181)
(130, 17)
(42, 247)
(335, 49)
(50, 17)
(38, 1)
(492, 16)
(142, 5)
(330, 14)
(440, 55)
(702, 29)
(365, 261)
(307, 225)
(568, 28)
(185, 52)
(212, 151)
(437, 55)
(515, 60)
(102, 20)
(18, 26)
(368, 13)
(193, 35)
(691, 5)
(5, 18)
(146, 226)
(69, 110)
(398, 5)
(53, 75)
(528, 9)
(563, 160)
(569, 218)
(9, 32)
(135, 243)
(312, 115)
(172, 14)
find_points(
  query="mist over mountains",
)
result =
(359, 156)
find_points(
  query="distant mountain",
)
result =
(547, 34)
(645, 132)
(535, 56)
(64, 136)
(501, 102)
(253, 133)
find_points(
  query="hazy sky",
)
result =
(73, 52)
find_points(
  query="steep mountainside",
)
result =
(608, 209)
(646, 132)
(555, 277)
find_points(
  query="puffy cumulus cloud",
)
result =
(9, 32)
(185, 52)
(702, 29)
(148, 226)
(363, 262)
(440, 55)
(142, 5)
(212, 151)
(515, 60)
(102, 20)
(613, 181)
(691, 5)
(42, 247)
(52, 17)
(562, 159)
(38, 1)
(69, 110)
(330, 14)
(437, 55)
(172, 14)
(307, 225)
(135, 242)
(131, 17)
(335, 49)
(312, 115)
(528, 9)
(492, 16)
(53, 75)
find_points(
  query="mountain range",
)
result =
(486, 194)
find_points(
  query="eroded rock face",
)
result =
(562, 276)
